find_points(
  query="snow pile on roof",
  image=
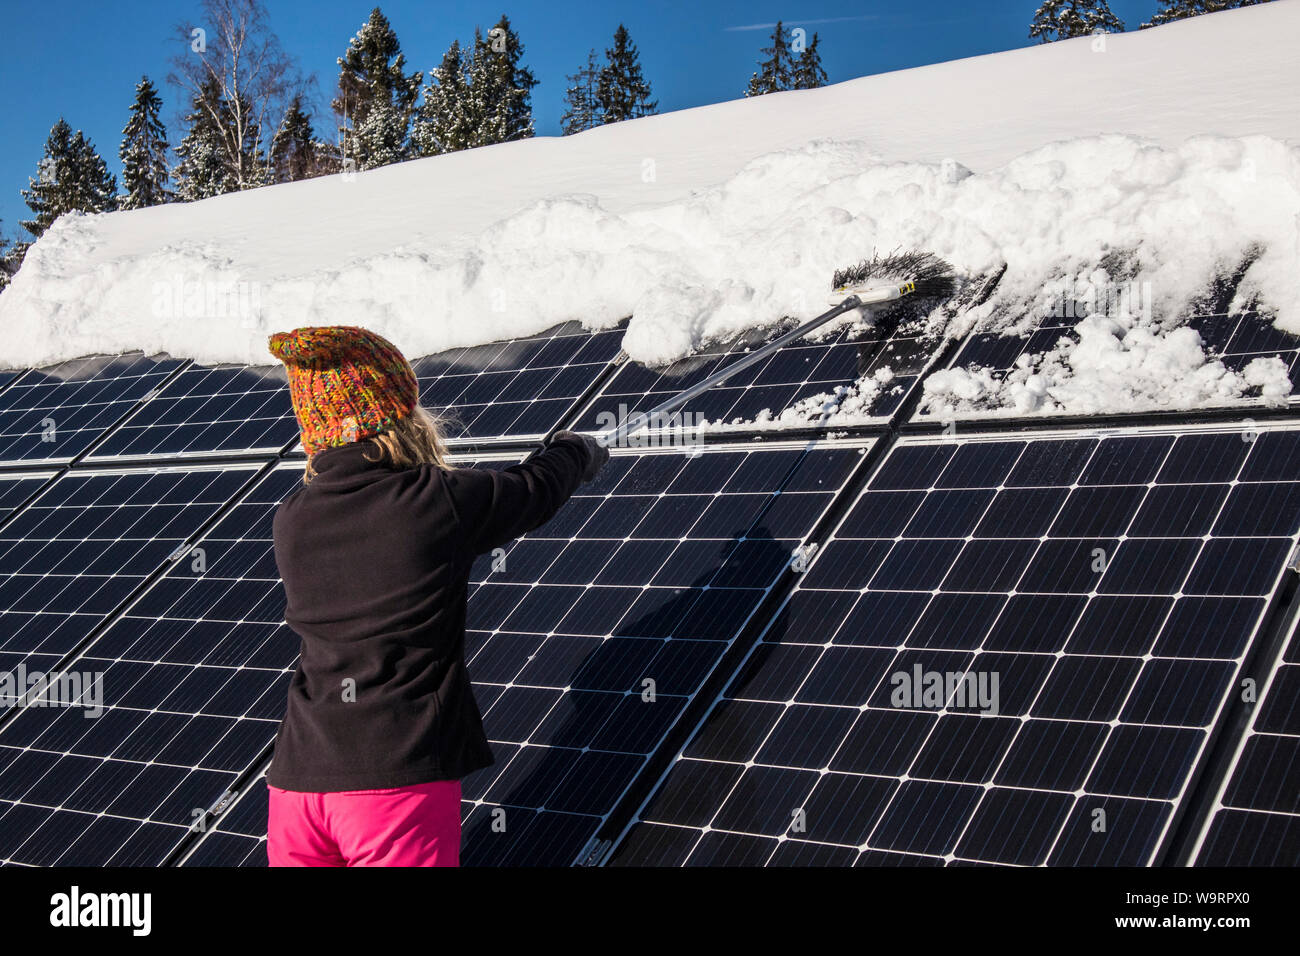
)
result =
(705, 222)
(1112, 368)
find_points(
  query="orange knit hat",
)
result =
(346, 383)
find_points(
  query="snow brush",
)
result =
(871, 283)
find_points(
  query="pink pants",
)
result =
(417, 825)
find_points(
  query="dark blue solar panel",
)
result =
(55, 413)
(801, 385)
(1113, 623)
(1256, 820)
(17, 488)
(518, 388)
(193, 682)
(77, 551)
(238, 838)
(209, 409)
(647, 573)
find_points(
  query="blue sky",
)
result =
(84, 66)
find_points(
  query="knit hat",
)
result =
(346, 383)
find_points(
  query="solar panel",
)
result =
(1092, 598)
(518, 388)
(194, 676)
(856, 373)
(208, 409)
(1256, 819)
(647, 574)
(1235, 339)
(238, 838)
(17, 488)
(70, 558)
(55, 413)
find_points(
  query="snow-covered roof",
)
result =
(1171, 151)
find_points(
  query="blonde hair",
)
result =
(417, 439)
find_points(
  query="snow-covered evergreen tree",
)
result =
(1172, 10)
(621, 90)
(5, 274)
(203, 170)
(1063, 19)
(581, 107)
(500, 86)
(476, 96)
(144, 152)
(807, 72)
(774, 74)
(295, 152)
(372, 80)
(445, 121)
(72, 176)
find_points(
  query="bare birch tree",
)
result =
(231, 46)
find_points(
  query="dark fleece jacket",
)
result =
(375, 563)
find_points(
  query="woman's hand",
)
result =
(597, 454)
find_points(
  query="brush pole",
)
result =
(618, 435)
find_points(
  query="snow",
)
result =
(1181, 160)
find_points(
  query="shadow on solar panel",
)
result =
(587, 638)
(1256, 820)
(56, 413)
(591, 635)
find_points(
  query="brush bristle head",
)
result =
(933, 277)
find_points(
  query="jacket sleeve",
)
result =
(494, 507)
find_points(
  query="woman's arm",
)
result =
(495, 507)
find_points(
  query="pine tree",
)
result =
(808, 73)
(476, 96)
(774, 73)
(1063, 19)
(500, 88)
(204, 170)
(621, 90)
(1182, 9)
(444, 121)
(295, 152)
(581, 106)
(11, 258)
(72, 177)
(144, 152)
(5, 275)
(372, 80)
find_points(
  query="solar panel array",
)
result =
(703, 659)
(1257, 818)
(1096, 597)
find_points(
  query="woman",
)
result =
(375, 552)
